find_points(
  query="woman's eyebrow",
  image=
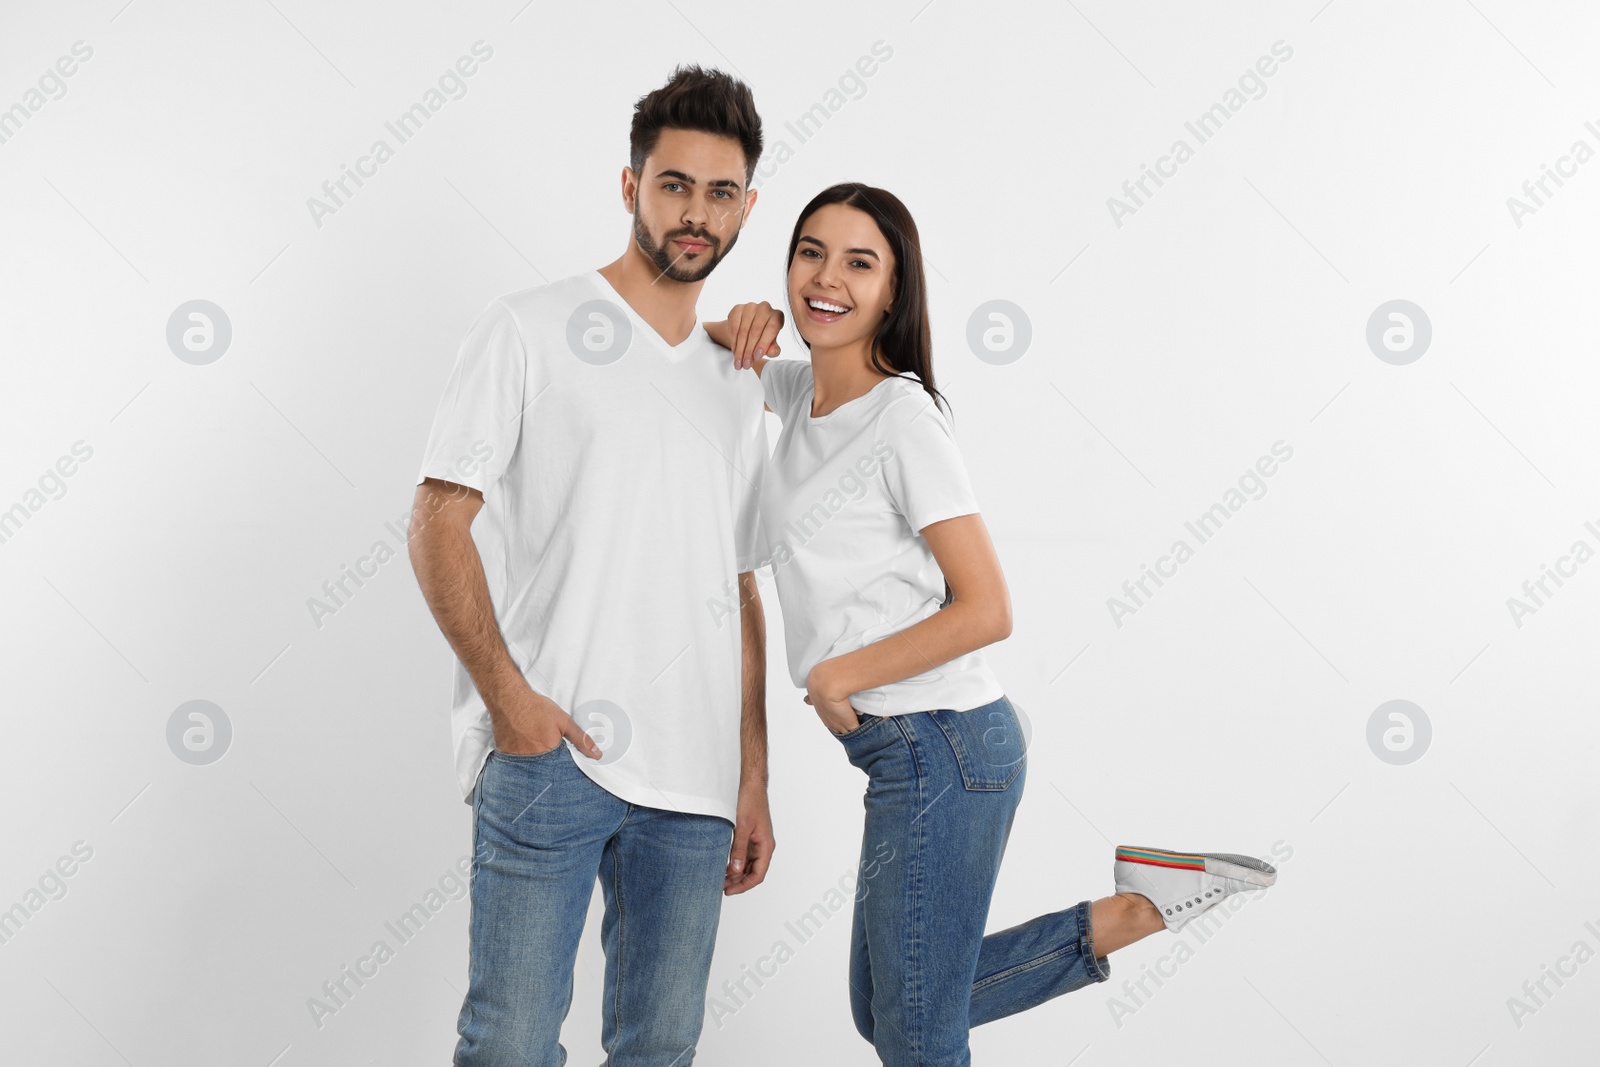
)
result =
(852, 251)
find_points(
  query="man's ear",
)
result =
(630, 189)
(749, 205)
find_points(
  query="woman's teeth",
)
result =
(823, 305)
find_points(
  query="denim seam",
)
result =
(908, 731)
(1038, 961)
(463, 1020)
(914, 976)
(477, 822)
(616, 890)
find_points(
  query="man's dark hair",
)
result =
(697, 99)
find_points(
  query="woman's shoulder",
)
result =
(909, 401)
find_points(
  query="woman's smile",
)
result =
(820, 309)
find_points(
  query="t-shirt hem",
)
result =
(946, 513)
(650, 796)
(444, 473)
(988, 695)
(644, 796)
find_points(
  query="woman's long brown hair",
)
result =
(904, 342)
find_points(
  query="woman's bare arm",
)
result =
(979, 614)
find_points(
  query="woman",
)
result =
(889, 587)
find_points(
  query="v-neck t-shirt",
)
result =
(621, 479)
(845, 499)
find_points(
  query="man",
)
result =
(611, 456)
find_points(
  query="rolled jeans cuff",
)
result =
(1099, 966)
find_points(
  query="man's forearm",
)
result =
(450, 573)
(753, 723)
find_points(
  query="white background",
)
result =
(1168, 353)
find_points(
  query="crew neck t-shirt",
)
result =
(621, 479)
(845, 498)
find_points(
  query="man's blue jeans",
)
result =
(942, 790)
(542, 833)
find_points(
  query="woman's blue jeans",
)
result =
(942, 790)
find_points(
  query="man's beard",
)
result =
(670, 265)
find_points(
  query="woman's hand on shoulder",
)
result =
(750, 331)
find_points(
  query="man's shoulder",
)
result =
(538, 303)
(787, 371)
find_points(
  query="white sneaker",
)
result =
(1184, 884)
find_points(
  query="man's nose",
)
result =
(695, 215)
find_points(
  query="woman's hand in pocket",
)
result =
(833, 708)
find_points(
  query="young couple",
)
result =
(596, 489)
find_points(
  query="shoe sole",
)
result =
(1246, 869)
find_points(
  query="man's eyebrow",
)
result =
(852, 251)
(720, 183)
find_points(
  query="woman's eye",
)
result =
(859, 263)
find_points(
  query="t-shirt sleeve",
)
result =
(749, 542)
(479, 417)
(925, 476)
(782, 382)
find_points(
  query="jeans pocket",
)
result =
(528, 757)
(987, 742)
(866, 723)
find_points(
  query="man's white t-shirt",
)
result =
(845, 498)
(621, 480)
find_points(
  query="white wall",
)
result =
(1168, 353)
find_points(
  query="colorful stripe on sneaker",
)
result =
(1183, 861)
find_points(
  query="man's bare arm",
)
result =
(753, 841)
(450, 573)
(753, 724)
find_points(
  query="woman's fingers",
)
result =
(769, 334)
(760, 316)
(741, 336)
(754, 327)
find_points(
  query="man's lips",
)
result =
(690, 246)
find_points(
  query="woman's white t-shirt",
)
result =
(845, 498)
